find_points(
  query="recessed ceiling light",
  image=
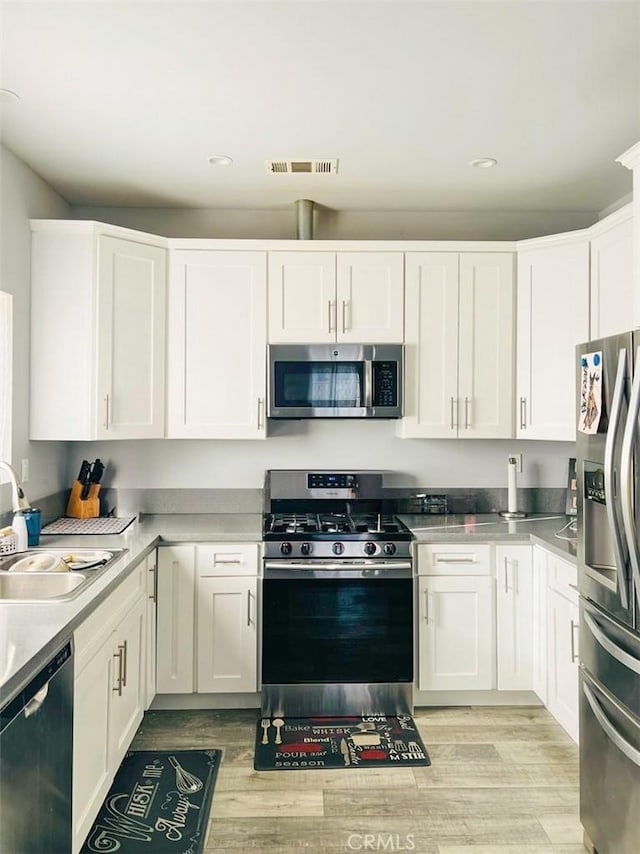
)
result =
(483, 162)
(7, 96)
(220, 160)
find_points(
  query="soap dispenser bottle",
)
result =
(19, 528)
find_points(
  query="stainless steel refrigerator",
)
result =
(608, 474)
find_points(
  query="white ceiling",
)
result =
(122, 103)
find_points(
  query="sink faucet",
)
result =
(19, 499)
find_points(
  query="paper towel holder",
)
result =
(512, 501)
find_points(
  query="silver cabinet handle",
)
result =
(523, 413)
(346, 313)
(629, 441)
(329, 307)
(106, 412)
(249, 595)
(611, 732)
(454, 401)
(154, 595)
(455, 560)
(620, 655)
(260, 413)
(574, 654)
(620, 551)
(466, 413)
(426, 606)
(118, 655)
(506, 578)
(123, 647)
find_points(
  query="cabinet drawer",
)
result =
(91, 634)
(454, 559)
(227, 559)
(562, 576)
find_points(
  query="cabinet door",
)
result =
(553, 316)
(514, 618)
(128, 676)
(540, 622)
(302, 297)
(456, 636)
(92, 769)
(612, 298)
(217, 345)
(131, 338)
(227, 635)
(370, 297)
(563, 661)
(486, 345)
(175, 620)
(431, 346)
(150, 646)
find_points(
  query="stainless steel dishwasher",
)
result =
(36, 750)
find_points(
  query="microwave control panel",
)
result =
(385, 383)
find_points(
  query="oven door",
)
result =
(337, 623)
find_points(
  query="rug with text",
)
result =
(366, 742)
(159, 803)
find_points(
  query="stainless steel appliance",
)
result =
(335, 381)
(36, 762)
(608, 471)
(337, 597)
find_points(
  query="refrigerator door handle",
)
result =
(610, 731)
(606, 643)
(619, 546)
(627, 477)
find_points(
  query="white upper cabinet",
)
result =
(612, 299)
(459, 350)
(97, 332)
(553, 316)
(324, 297)
(217, 344)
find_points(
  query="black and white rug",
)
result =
(366, 742)
(159, 803)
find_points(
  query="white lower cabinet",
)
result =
(456, 629)
(207, 637)
(151, 567)
(562, 644)
(109, 695)
(514, 618)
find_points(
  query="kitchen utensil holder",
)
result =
(84, 508)
(8, 544)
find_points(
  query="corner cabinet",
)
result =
(216, 362)
(97, 332)
(553, 316)
(326, 297)
(612, 296)
(459, 350)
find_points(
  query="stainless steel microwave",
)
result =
(335, 380)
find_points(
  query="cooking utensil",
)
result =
(278, 724)
(85, 479)
(265, 723)
(186, 783)
(97, 470)
(344, 749)
(86, 559)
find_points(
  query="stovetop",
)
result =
(334, 526)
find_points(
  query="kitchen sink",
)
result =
(52, 575)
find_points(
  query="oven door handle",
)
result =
(335, 571)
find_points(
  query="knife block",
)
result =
(87, 508)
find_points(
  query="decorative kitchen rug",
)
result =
(159, 803)
(367, 742)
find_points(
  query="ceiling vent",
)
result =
(306, 167)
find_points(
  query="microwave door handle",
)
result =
(368, 384)
(627, 477)
(615, 423)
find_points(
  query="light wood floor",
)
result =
(503, 780)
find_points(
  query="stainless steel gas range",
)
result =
(337, 599)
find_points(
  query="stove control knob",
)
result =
(285, 548)
(337, 548)
(369, 548)
(389, 548)
(305, 548)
